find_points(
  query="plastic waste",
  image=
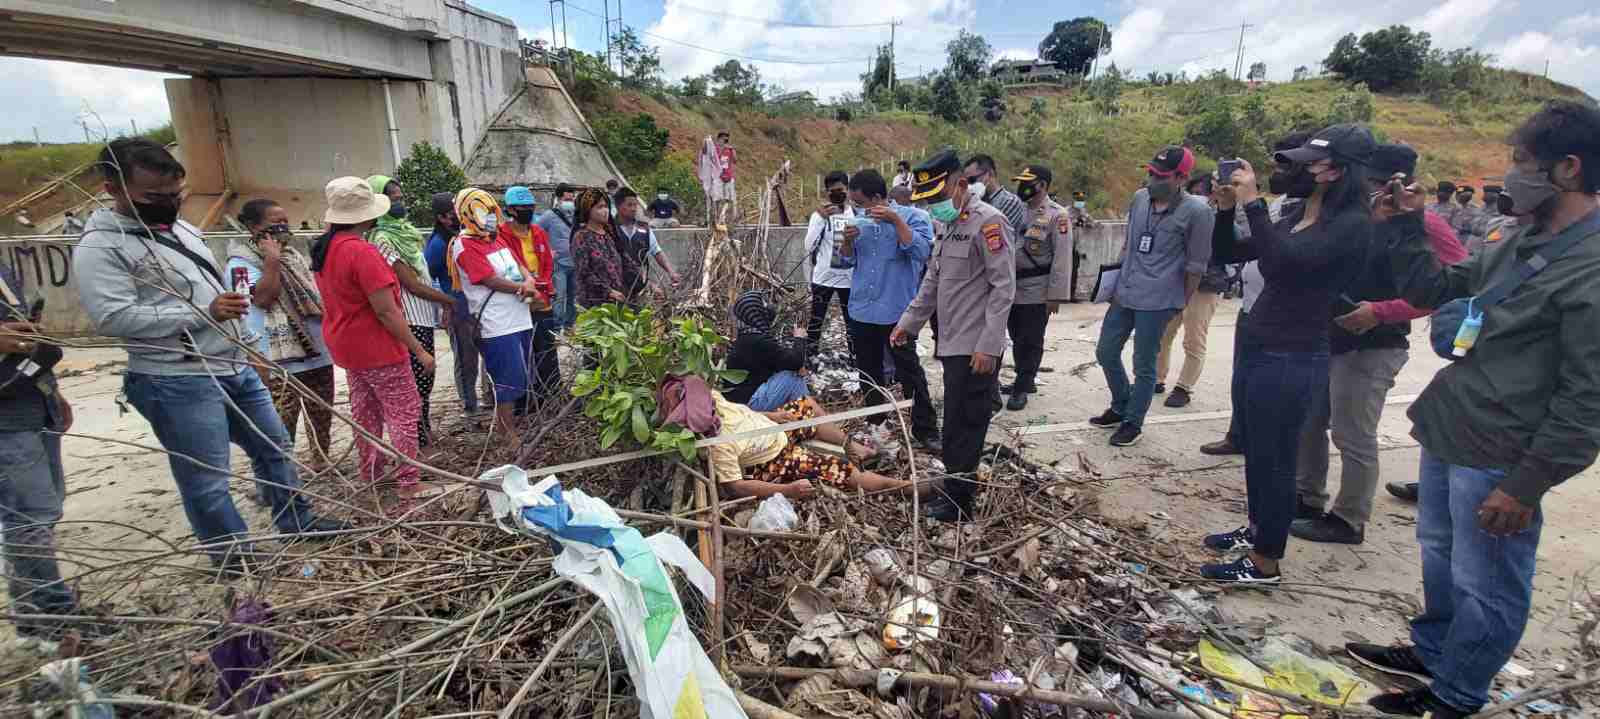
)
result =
(671, 673)
(1293, 672)
(71, 676)
(774, 514)
(913, 614)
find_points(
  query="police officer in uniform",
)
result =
(1445, 207)
(971, 281)
(1044, 278)
(1496, 218)
(1467, 218)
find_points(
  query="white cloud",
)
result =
(1458, 18)
(1017, 53)
(60, 94)
(1587, 22)
(1569, 61)
(919, 41)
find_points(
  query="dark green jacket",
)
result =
(1526, 399)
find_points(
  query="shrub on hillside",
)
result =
(676, 175)
(424, 172)
(633, 141)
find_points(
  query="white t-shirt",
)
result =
(819, 246)
(505, 314)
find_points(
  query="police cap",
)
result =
(1035, 173)
(928, 178)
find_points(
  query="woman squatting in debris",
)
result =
(771, 463)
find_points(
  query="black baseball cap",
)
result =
(1035, 173)
(1445, 186)
(1390, 158)
(929, 177)
(443, 203)
(1172, 160)
(1347, 142)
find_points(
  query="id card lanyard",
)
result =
(1147, 239)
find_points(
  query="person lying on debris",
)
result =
(774, 369)
(771, 463)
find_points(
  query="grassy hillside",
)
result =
(1090, 150)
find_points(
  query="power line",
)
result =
(753, 58)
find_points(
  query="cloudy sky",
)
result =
(695, 35)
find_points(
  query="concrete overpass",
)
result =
(285, 94)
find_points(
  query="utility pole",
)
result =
(1238, 62)
(1098, 45)
(605, 9)
(1547, 68)
(895, 23)
(134, 124)
(36, 141)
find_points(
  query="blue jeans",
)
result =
(1146, 327)
(194, 423)
(32, 489)
(565, 278)
(1477, 588)
(779, 389)
(1275, 390)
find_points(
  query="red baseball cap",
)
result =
(1173, 160)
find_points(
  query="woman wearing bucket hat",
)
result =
(366, 329)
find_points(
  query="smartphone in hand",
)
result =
(1225, 170)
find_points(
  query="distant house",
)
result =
(802, 97)
(1015, 71)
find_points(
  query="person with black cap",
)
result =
(1043, 279)
(1307, 257)
(1468, 216)
(971, 281)
(1368, 348)
(1167, 251)
(1445, 206)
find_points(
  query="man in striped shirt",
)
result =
(985, 182)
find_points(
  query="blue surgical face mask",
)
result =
(944, 210)
(1079, 204)
(566, 205)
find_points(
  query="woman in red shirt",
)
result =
(365, 329)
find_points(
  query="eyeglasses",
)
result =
(975, 178)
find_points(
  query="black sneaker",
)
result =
(1239, 539)
(1126, 436)
(1404, 490)
(1239, 571)
(1220, 448)
(1018, 402)
(1161, 388)
(1179, 398)
(1109, 420)
(929, 443)
(944, 509)
(1012, 387)
(310, 531)
(1327, 529)
(1416, 703)
(1400, 660)
(1307, 511)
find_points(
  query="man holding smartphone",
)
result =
(830, 269)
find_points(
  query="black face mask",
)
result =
(1162, 190)
(155, 213)
(522, 216)
(1278, 182)
(1299, 182)
(837, 197)
(1027, 190)
(1503, 204)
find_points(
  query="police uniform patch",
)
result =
(994, 237)
(1493, 236)
(1063, 223)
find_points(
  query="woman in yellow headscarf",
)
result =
(495, 285)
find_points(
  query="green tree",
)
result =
(1105, 90)
(968, 57)
(1301, 73)
(641, 64)
(1390, 59)
(694, 87)
(1072, 44)
(948, 100)
(634, 142)
(424, 173)
(882, 72)
(736, 83)
(1258, 71)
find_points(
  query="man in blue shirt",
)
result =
(462, 345)
(890, 246)
(557, 223)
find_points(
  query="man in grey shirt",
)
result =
(1166, 253)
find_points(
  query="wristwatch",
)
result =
(1257, 204)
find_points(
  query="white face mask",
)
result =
(977, 189)
(661, 196)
